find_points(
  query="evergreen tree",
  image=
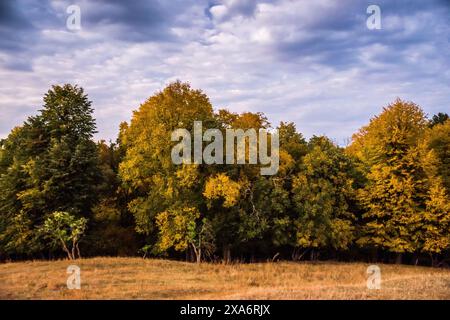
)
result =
(49, 164)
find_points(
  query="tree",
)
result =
(435, 222)
(69, 167)
(291, 141)
(388, 190)
(222, 187)
(180, 228)
(222, 195)
(147, 172)
(322, 192)
(65, 230)
(395, 191)
(439, 118)
(17, 237)
(282, 230)
(58, 155)
(435, 225)
(111, 230)
(49, 164)
(435, 152)
(232, 191)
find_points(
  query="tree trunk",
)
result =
(78, 251)
(226, 254)
(199, 255)
(416, 258)
(398, 258)
(66, 250)
(294, 255)
(191, 254)
(312, 255)
(433, 260)
(197, 252)
(374, 255)
(275, 256)
(297, 254)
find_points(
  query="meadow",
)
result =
(137, 278)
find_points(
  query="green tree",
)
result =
(232, 191)
(292, 141)
(322, 193)
(112, 230)
(49, 164)
(65, 230)
(180, 228)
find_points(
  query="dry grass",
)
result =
(134, 278)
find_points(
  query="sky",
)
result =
(315, 63)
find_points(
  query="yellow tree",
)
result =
(435, 157)
(435, 148)
(161, 190)
(436, 221)
(238, 195)
(394, 196)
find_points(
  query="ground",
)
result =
(136, 278)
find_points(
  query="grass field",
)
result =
(134, 278)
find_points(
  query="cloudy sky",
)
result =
(311, 62)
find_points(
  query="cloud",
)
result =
(314, 63)
(133, 21)
(227, 9)
(14, 29)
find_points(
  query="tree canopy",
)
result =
(386, 196)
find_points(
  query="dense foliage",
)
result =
(385, 197)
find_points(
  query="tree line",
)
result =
(384, 197)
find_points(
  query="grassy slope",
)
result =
(134, 278)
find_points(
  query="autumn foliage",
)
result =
(384, 197)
